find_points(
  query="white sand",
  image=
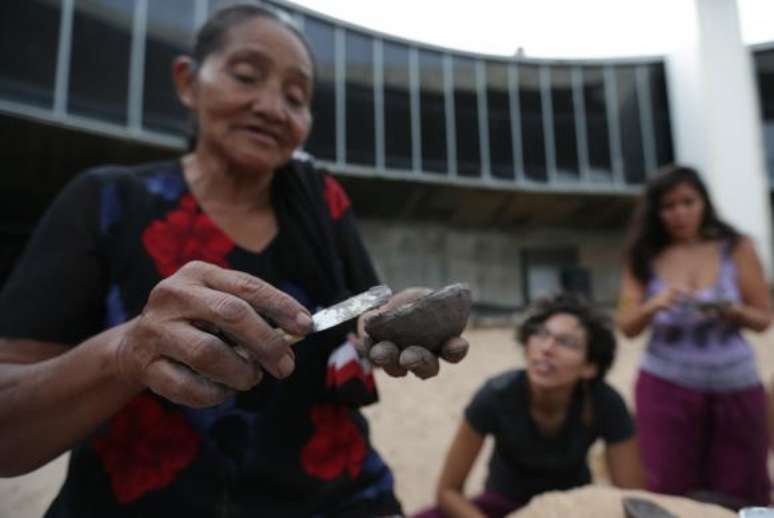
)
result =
(411, 427)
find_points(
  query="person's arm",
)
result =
(635, 311)
(462, 454)
(755, 310)
(623, 464)
(52, 397)
(47, 406)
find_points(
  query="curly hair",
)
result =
(601, 343)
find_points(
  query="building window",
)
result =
(359, 96)
(499, 113)
(597, 130)
(322, 140)
(99, 67)
(397, 106)
(169, 34)
(563, 108)
(433, 112)
(29, 37)
(764, 64)
(662, 125)
(532, 132)
(466, 117)
(628, 105)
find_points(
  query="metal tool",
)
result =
(346, 310)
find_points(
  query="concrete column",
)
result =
(715, 115)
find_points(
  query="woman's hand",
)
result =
(396, 360)
(665, 299)
(201, 335)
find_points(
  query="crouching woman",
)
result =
(543, 418)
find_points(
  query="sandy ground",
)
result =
(411, 426)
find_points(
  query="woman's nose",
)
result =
(268, 102)
(548, 344)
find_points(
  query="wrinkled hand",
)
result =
(419, 360)
(201, 336)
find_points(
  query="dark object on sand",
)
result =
(641, 508)
(428, 322)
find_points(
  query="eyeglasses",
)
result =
(565, 341)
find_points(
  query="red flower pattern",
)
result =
(187, 234)
(145, 447)
(336, 446)
(335, 197)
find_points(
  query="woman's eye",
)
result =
(295, 100)
(296, 97)
(247, 79)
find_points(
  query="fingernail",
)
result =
(285, 366)
(304, 320)
(411, 358)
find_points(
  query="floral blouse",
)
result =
(292, 447)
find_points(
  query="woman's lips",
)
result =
(262, 135)
(543, 367)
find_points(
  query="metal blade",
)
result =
(351, 308)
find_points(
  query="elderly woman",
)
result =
(142, 325)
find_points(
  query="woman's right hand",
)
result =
(665, 299)
(201, 336)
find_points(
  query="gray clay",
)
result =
(428, 321)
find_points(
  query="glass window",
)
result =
(563, 107)
(397, 106)
(629, 120)
(532, 133)
(433, 112)
(597, 131)
(361, 138)
(764, 68)
(466, 117)
(169, 34)
(29, 37)
(322, 140)
(662, 126)
(499, 108)
(99, 69)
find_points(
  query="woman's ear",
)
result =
(184, 77)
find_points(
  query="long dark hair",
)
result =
(601, 344)
(647, 235)
(211, 37)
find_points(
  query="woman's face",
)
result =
(682, 211)
(252, 96)
(556, 353)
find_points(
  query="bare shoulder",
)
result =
(744, 249)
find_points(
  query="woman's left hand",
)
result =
(398, 359)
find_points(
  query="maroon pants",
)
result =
(693, 441)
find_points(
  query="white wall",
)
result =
(411, 254)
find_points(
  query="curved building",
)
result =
(514, 175)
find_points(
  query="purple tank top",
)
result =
(691, 349)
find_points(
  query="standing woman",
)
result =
(140, 326)
(696, 282)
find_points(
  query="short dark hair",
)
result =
(601, 342)
(647, 235)
(211, 36)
